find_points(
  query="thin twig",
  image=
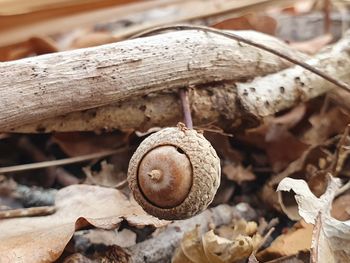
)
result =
(342, 189)
(40, 165)
(263, 241)
(338, 160)
(121, 184)
(230, 35)
(186, 108)
(31, 211)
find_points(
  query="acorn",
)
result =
(174, 173)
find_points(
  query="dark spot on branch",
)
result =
(40, 129)
(299, 82)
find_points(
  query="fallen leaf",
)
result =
(79, 143)
(223, 147)
(107, 176)
(333, 240)
(192, 247)
(296, 239)
(92, 39)
(43, 45)
(42, 239)
(240, 227)
(314, 45)
(239, 241)
(341, 207)
(252, 259)
(326, 125)
(237, 173)
(180, 257)
(123, 238)
(222, 250)
(311, 166)
(257, 22)
(301, 257)
(274, 137)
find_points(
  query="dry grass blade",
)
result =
(40, 165)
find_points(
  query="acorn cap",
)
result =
(190, 161)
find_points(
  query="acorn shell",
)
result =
(205, 171)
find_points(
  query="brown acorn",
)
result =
(174, 173)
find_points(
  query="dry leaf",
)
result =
(123, 238)
(326, 125)
(240, 227)
(43, 45)
(274, 137)
(192, 247)
(42, 239)
(333, 242)
(79, 143)
(301, 257)
(107, 176)
(222, 250)
(261, 23)
(298, 238)
(239, 241)
(237, 173)
(341, 207)
(92, 39)
(180, 257)
(309, 166)
(252, 259)
(314, 45)
(223, 147)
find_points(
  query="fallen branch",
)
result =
(47, 86)
(224, 104)
(261, 46)
(291, 86)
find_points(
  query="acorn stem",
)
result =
(186, 108)
(155, 175)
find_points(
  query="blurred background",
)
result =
(36, 27)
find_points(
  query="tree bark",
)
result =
(47, 86)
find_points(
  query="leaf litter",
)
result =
(293, 150)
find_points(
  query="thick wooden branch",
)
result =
(225, 104)
(47, 86)
(267, 95)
